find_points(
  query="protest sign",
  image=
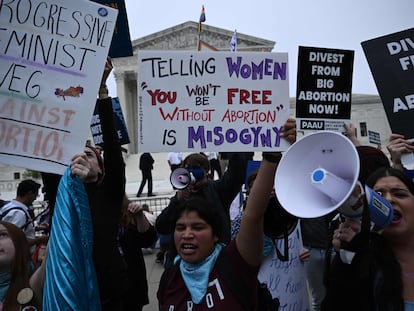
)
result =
(286, 280)
(324, 88)
(52, 56)
(374, 137)
(212, 101)
(121, 45)
(120, 125)
(391, 60)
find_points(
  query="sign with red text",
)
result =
(391, 60)
(52, 56)
(324, 88)
(212, 101)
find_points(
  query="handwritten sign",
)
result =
(286, 280)
(215, 101)
(391, 60)
(52, 56)
(324, 88)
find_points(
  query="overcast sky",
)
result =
(290, 23)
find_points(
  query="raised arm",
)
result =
(350, 133)
(397, 146)
(249, 240)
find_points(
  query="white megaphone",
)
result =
(181, 178)
(319, 174)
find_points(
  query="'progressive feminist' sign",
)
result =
(52, 55)
(215, 101)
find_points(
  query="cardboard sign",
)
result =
(120, 125)
(391, 60)
(121, 45)
(212, 101)
(52, 56)
(324, 88)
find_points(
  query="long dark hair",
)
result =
(388, 171)
(20, 271)
(390, 285)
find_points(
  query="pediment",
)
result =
(185, 37)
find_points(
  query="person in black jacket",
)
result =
(135, 232)
(146, 162)
(373, 270)
(221, 192)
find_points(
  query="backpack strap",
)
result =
(20, 209)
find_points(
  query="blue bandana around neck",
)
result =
(5, 279)
(268, 245)
(196, 276)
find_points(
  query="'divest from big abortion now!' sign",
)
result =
(212, 101)
(324, 88)
(52, 56)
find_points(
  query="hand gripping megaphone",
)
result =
(319, 174)
(380, 210)
(181, 178)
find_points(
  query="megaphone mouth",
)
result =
(181, 177)
(323, 168)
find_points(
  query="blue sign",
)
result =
(120, 125)
(121, 45)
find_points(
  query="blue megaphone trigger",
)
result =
(197, 173)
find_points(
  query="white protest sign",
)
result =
(286, 280)
(212, 101)
(52, 56)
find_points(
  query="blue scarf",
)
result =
(268, 245)
(196, 276)
(5, 279)
(71, 282)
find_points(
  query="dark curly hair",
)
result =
(201, 205)
(197, 160)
